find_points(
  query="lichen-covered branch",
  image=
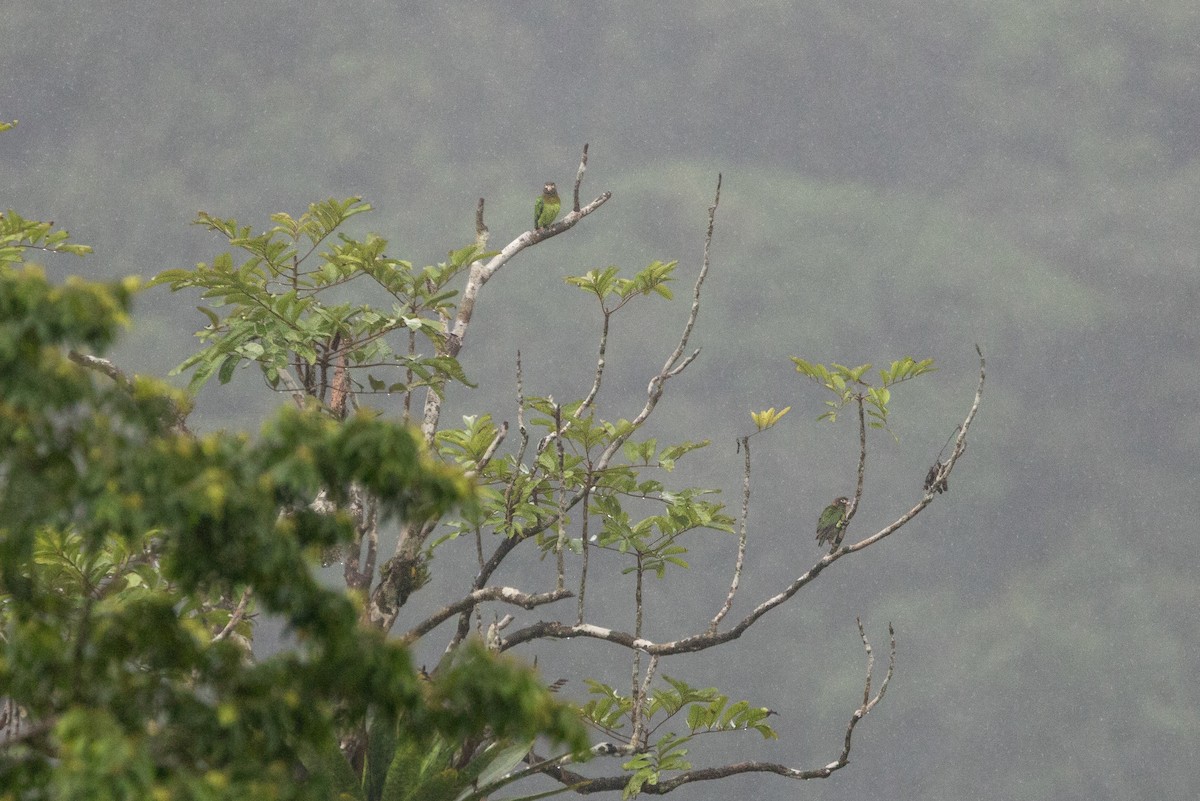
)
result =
(508, 595)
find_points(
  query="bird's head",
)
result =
(550, 188)
(841, 501)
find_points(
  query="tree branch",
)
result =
(101, 365)
(943, 473)
(637, 714)
(509, 595)
(862, 472)
(293, 387)
(582, 784)
(118, 376)
(234, 619)
(741, 552)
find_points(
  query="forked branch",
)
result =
(509, 595)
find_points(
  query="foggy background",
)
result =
(900, 179)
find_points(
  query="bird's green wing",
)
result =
(827, 524)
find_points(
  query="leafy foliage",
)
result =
(606, 283)
(768, 417)
(125, 542)
(847, 385)
(705, 710)
(18, 235)
(278, 317)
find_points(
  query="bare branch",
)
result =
(673, 366)
(582, 784)
(238, 613)
(691, 644)
(509, 595)
(698, 642)
(521, 412)
(595, 390)
(741, 552)
(293, 386)
(960, 444)
(579, 176)
(695, 312)
(584, 547)
(481, 229)
(862, 471)
(638, 735)
(869, 702)
(178, 415)
(943, 473)
(101, 365)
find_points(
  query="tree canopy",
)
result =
(139, 556)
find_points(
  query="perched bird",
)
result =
(829, 525)
(547, 206)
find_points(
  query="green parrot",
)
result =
(546, 208)
(829, 525)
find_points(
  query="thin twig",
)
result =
(595, 390)
(862, 470)
(741, 552)
(579, 176)
(676, 362)
(637, 714)
(584, 546)
(561, 543)
(592, 393)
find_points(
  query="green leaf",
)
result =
(499, 761)
(765, 419)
